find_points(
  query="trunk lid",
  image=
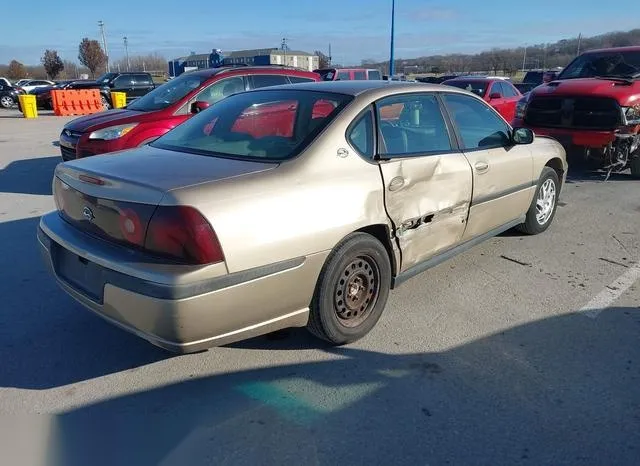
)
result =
(114, 196)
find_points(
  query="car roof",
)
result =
(356, 88)
(209, 72)
(631, 48)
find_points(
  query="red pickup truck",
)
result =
(594, 106)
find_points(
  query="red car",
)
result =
(499, 93)
(157, 112)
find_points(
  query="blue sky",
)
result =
(356, 29)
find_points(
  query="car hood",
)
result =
(151, 171)
(116, 116)
(626, 93)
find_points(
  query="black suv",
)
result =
(135, 84)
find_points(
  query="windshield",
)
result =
(610, 64)
(477, 87)
(104, 78)
(270, 124)
(168, 93)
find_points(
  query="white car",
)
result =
(35, 83)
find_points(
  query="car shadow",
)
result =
(29, 176)
(554, 391)
(46, 338)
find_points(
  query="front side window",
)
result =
(168, 93)
(221, 89)
(267, 125)
(299, 79)
(123, 81)
(412, 125)
(509, 90)
(496, 88)
(344, 75)
(360, 75)
(479, 125)
(374, 75)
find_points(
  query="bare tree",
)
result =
(52, 63)
(323, 60)
(16, 70)
(91, 55)
(150, 62)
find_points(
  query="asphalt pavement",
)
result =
(523, 350)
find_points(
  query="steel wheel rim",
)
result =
(546, 201)
(6, 101)
(356, 291)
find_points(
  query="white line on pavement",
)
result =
(612, 292)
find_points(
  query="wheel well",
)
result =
(556, 164)
(381, 233)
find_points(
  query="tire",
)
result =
(533, 225)
(634, 164)
(105, 102)
(359, 264)
(6, 101)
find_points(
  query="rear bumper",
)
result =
(570, 137)
(165, 308)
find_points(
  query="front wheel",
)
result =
(105, 102)
(6, 101)
(352, 290)
(544, 205)
(635, 166)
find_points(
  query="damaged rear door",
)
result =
(427, 180)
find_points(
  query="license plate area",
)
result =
(80, 274)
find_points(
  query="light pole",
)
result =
(126, 52)
(391, 59)
(104, 43)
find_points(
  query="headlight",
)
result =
(631, 115)
(112, 132)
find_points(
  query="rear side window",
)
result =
(360, 75)
(299, 79)
(267, 80)
(374, 74)
(509, 90)
(122, 81)
(344, 75)
(142, 79)
(360, 135)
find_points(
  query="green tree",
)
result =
(52, 63)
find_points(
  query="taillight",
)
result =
(182, 233)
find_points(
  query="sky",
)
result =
(356, 29)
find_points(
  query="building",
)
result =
(272, 56)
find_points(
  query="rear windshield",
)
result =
(259, 125)
(604, 64)
(477, 87)
(167, 93)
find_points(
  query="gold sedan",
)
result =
(291, 206)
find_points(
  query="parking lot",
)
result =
(523, 350)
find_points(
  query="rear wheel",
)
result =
(544, 204)
(352, 290)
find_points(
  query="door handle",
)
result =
(482, 166)
(396, 183)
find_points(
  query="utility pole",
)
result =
(104, 43)
(579, 43)
(126, 51)
(284, 48)
(524, 60)
(391, 59)
(329, 53)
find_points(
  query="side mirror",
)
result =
(495, 95)
(522, 136)
(198, 106)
